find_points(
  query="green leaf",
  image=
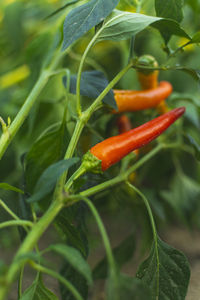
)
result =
(49, 177)
(122, 254)
(32, 256)
(196, 38)
(183, 196)
(92, 84)
(195, 146)
(166, 271)
(76, 279)
(6, 186)
(128, 288)
(172, 9)
(83, 18)
(61, 8)
(195, 73)
(168, 27)
(74, 257)
(38, 291)
(123, 25)
(73, 233)
(48, 149)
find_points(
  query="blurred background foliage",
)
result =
(28, 37)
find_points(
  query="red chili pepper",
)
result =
(113, 149)
(128, 100)
(123, 124)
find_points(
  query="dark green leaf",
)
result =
(49, 177)
(166, 271)
(6, 186)
(77, 279)
(169, 9)
(73, 234)
(48, 149)
(38, 291)
(83, 18)
(168, 27)
(92, 84)
(123, 25)
(74, 257)
(196, 37)
(128, 288)
(122, 254)
(195, 145)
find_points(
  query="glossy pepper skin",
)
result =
(113, 149)
(128, 100)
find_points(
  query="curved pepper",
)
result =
(128, 100)
(148, 78)
(113, 149)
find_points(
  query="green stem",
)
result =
(153, 225)
(81, 123)
(9, 134)
(122, 177)
(9, 211)
(112, 83)
(148, 209)
(54, 274)
(78, 83)
(21, 116)
(139, 6)
(80, 171)
(28, 244)
(69, 153)
(16, 223)
(20, 282)
(103, 232)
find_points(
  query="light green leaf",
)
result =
(74, 258)
(123, 25)
(166, 271)
(6, 186)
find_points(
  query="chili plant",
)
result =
(75, 67)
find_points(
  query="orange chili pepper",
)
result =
(129, 100)
(148, 78)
